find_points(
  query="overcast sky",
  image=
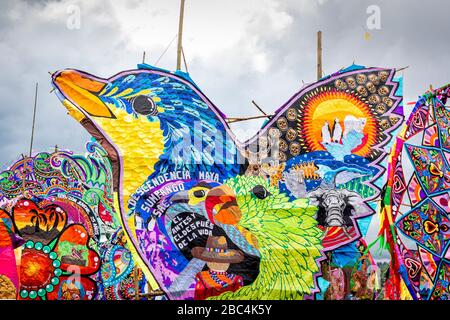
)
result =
(236, 50)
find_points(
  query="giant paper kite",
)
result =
(415, 220)
(60, 206)
(210, 217)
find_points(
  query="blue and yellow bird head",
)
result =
(155, 120)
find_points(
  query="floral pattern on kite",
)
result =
(61, 206)
(417, 202)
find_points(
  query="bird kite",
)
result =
(208, 216)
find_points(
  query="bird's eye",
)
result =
(145, 106)
(199, 193)
(260, 192)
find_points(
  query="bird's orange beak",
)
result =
(82, 90)
(221, 206)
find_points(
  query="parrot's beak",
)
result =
(82, 90)
(221, 206)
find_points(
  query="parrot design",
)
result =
(153, 123)
(150, 118)
(159, 128)
(288, 238)
(280, 234)
(205, 208)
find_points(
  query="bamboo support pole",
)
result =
(138, 295)
(34, 118)
(232, 120)
(180, 35)
(184, 60)
(319, 55)
(259, 108)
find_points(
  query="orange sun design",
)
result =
(331, 105)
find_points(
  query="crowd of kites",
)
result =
(166, 203)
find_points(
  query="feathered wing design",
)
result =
(156, 124)
(288, 238)
(156, 121)
(160, 128)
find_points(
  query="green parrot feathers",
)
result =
(288, 238)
